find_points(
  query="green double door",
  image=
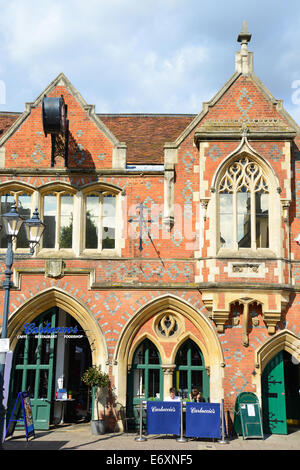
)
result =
(274, 396)
(146, 377)
(33, 368)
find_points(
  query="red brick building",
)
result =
(207, 297)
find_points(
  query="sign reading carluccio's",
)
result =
(49, 332)
(203, 420)
(163, 417)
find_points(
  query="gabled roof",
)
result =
(60, 80)
(146, 135)
(243, 68)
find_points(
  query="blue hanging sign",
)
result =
(23, 402)
(163, 417)
(203, 420)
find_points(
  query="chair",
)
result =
(122, 414)
(127, 417)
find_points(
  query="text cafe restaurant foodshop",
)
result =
(170, 255)
(46, 349)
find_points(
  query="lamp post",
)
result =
(34, 228)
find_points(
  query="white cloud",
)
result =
(143, 56)
(29, 32)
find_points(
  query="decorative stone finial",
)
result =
(244, 58)
(244, 36)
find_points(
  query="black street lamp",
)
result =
(34, 228)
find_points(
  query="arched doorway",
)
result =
(277, 381)
(204, 334)
(145, 378)
(190, 371)
(52, 351)
(281, 393)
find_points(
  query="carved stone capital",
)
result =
(168, 369)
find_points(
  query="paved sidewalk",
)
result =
(79, 437)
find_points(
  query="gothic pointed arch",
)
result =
(244, 194)
(245, 149)
(57, 298)
(285, 340)
(180, 309)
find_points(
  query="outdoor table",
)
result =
(63, 405)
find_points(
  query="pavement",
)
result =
(79, 437)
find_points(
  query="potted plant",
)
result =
(96, 380)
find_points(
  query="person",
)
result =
(199, 397)
(173, 396)
(194, 394)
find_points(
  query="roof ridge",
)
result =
(148, 114)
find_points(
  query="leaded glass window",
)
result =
(244, 206)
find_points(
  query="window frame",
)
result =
(58, 191)
(189, 368)
(101, 191)
(275, 203)
(254, 187)
(16, 191)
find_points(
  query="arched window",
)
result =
(145, 378)
(243, 206)
(100, 221)
(190, 372)
(146, 371)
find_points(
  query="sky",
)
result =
(145, 56)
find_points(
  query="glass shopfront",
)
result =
(45, 353)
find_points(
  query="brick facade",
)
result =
(179, 261)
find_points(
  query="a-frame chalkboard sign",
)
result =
(22, 407)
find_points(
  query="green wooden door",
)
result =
(273, 396)
(33, 369)
(145, 380)
(190, 371)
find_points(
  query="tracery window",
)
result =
(100, 221)
(244, 206)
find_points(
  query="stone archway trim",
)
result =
(284, 340)
(54, 297)
(127, 342)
